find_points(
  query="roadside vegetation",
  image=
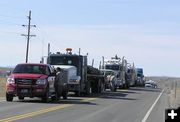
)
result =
(2, 87)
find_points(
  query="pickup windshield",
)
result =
(31, 69)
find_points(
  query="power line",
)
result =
(28, 35)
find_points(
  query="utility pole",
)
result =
(49, 47)
(28, 34)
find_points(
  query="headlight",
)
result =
(10, 80)
(41, 81)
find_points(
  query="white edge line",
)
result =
(149, 111)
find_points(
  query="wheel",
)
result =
(55, 97)
(111, 86)
(9, 97)
(88, 88)
(20, 97)
(127, 86)
(115, 89)
(77, 93)
(45, 98)
(102, 87)
(64, 94)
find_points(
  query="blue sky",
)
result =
(146, 32)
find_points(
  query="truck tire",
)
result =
(127, 86)
(77, 93)
(9, 97)
(115, 88)
(20, 97)
(88, 88)
(94, 87)
(64, 95)
(45, 97)
(55, 97)
(102, 87)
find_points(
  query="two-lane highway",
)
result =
(133, 105)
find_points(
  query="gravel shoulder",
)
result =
(172, 86)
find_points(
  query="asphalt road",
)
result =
(131, 105)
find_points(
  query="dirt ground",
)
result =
(173, 89)
(2, 87)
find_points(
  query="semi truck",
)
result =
(140, 77)
(111, 80)
(90, 78)
(131, 75)
(120, 67)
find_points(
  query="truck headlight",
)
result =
(41, 81)
(10, 80)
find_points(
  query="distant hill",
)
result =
(156, 78)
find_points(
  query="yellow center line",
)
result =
(42, 111)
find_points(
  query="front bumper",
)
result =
(26, 90)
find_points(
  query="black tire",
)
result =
(20, 97)
(127, 86)
(115, 89)
(53, 98)
(64, 95)
(88, 89)
(124, 86)
(9, 97)
(45, 98)
(77, 93)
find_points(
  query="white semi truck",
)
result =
(120, 67)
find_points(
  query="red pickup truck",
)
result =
(30, 80)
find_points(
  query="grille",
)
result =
(25, 81)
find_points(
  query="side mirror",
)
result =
(8, 73)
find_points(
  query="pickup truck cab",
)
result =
(30, 80)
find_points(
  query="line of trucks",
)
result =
(37, 80)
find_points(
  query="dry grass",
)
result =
(2, 87)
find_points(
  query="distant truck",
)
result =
(131, 75)
(120, 67)
(110, 78)
(31, 80)
(140, 77)
(88, 79)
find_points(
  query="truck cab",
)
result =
(140, 77)
(78, 64)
